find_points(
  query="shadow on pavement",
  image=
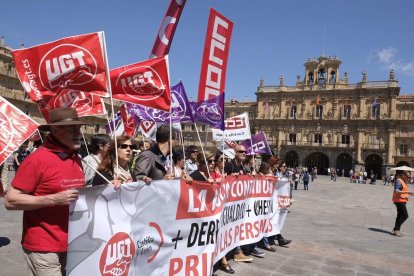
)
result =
(381, 231)
(4, 241)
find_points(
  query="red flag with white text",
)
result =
(215, 56)
(15, 127)
(166, 32)
(128, 121)
(76, 62)
(86, 104)
(146, 83)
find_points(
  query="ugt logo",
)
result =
(210, 111)
(142, 83)
(75, 99)
(67, 65)
(117, 255)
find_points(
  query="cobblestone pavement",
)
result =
(337, 228)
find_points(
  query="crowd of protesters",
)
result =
(46, 181)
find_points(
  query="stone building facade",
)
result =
(327, 122)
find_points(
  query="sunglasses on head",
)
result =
(124, 146)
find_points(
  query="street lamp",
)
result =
(384, 166)
(353, 161)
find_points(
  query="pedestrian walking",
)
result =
(400, 199)
(306, 180)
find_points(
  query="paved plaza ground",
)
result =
(337, 228)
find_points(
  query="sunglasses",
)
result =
(210, 161)
(124, 146)
(241, 151)
(194, 151)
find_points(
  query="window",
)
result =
(319, 110)
(318, 138)
(97, 127)
(227, 114)
(375, 111)
(346, 139)
(332, 79)
(251, 115)
(310, 78)
(403, 149)
(193, 128)
(293, 111)
(347, 111)
(292, 138)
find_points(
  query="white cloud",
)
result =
(388, 58)
(387, 55)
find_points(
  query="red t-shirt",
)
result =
(42, 173)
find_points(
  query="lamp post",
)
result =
(353, 161)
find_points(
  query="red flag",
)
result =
(15, 127)
(75, 62)
(128, 121)
(318, 100)
(86, 104)
(216, 53)
(35, 136)
(146, 83)
(166, 32)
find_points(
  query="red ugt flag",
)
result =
(75, 62)
(216, 53)
(15, 127)
(86, 104)
(166, 32)
(146, 83)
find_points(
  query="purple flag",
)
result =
(113, 124)
(210, 111)
(260, 145)
(180, 109)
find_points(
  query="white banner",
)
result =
(237, 128)
(168, 227)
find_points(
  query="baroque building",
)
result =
(326, 122)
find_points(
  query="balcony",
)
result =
(375, 146)
(313, 145)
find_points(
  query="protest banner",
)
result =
(168, 227)
(236, 128)
(215, 56)
(167, 29)
(146, 83)
(15, 127)
(76, 62)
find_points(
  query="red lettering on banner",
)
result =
(216, 51)
(284, 201)
(235, 123)
(193, 265)
(201, 200)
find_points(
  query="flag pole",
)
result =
(86, 144)
(171, 152)
(108, 80)
(202, 149)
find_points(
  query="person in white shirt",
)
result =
(191, 162)
(99, 146)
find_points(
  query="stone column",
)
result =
(391, 146)
(359, 146)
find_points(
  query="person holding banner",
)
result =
(191, 162)
(151, 164)
(203, 173)
(116, 172)
(99, 146)
(43, 188)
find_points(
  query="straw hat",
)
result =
(62, 116)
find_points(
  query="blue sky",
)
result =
(270, 38)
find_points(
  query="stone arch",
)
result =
(344, 162)
(374, 163)
(292, 158)
(403, 163)
(319, 160)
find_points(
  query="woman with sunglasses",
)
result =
(108, 166)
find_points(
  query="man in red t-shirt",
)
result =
(43, 187)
